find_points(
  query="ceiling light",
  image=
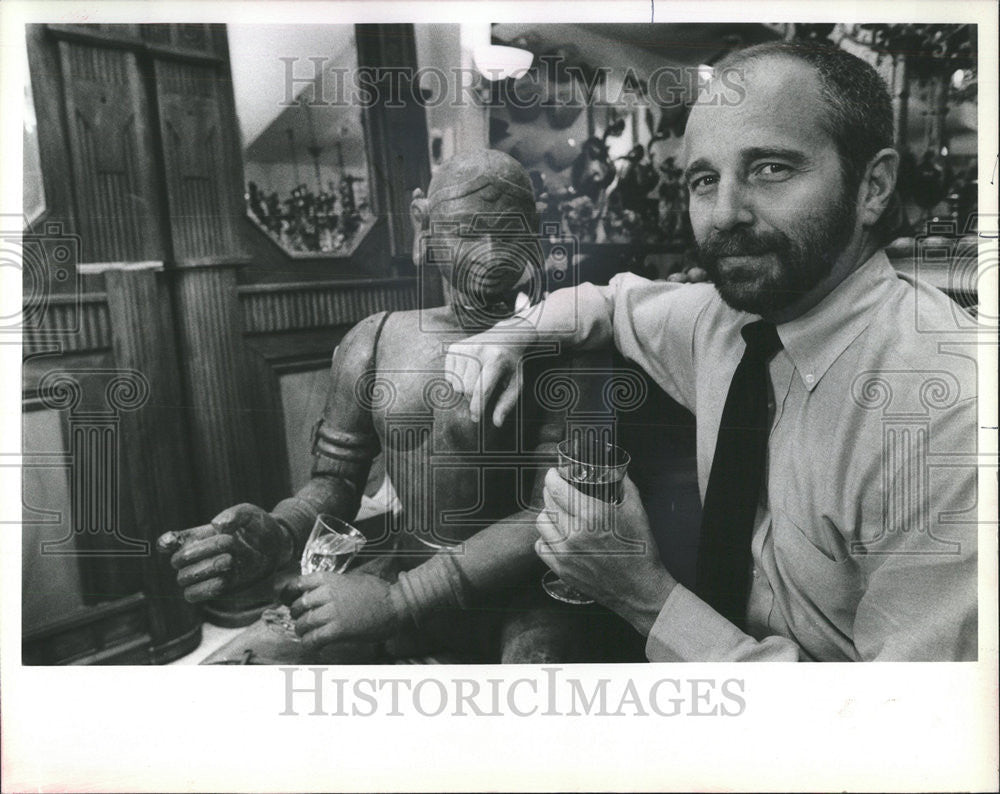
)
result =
(496, 62)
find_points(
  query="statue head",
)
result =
(478, 224)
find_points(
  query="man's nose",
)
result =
(732, 206)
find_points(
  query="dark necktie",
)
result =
(737, 476)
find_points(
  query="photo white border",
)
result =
(891, 727)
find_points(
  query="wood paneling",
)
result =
(204, 211)
(216, 378)
(51, 585)
(140, 157)
(70, 324)
(113, 633)
(112, 154)
(321, 304)
(155, 455)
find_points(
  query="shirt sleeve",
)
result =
(655, 324)
(921, 602)
(689, 630)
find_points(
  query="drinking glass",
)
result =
(596, 468)
(331, 546)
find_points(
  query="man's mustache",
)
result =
(741, 242)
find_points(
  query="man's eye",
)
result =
(701, 183)
(773, 170)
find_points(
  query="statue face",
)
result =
(483, 245)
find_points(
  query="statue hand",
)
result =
(332, 607)
(487, 362)
(243, 544)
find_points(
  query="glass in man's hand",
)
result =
(597, 469)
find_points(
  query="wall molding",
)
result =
(69, 324)
(269, 308)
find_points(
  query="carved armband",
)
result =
(346, 454)
(439, 582)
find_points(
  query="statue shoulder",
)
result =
(356, 351)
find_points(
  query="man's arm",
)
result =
(920, 596)
(608, 552)
(920, 560)
(578, 318)
(651, 323)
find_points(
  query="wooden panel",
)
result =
(90, 402)
(114, 633)
(203, 209)
(155, 455)
(322, 304)
(265, 412)
(157, 33)
(183, 40)
(70, 324)
(303, 395)
(217, 381)
(112, 154)
(50, 584)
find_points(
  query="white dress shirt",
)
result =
(865, 541)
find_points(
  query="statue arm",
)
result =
(344, 442)
(494, 557)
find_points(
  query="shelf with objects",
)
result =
(602, 143)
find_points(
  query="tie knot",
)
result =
(761, 338)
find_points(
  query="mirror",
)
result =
(305, 160)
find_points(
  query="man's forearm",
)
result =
(581, 318)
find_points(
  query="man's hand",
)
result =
(486, 362)
(334, 607)
(242, 545)
(604, 550)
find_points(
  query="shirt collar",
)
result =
(817, 338)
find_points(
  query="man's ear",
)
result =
(878, 185)
(419, 214)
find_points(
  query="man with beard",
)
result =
(827, 400)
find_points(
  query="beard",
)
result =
(765, 272)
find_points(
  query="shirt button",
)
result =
(810, 378)
(755, 574)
